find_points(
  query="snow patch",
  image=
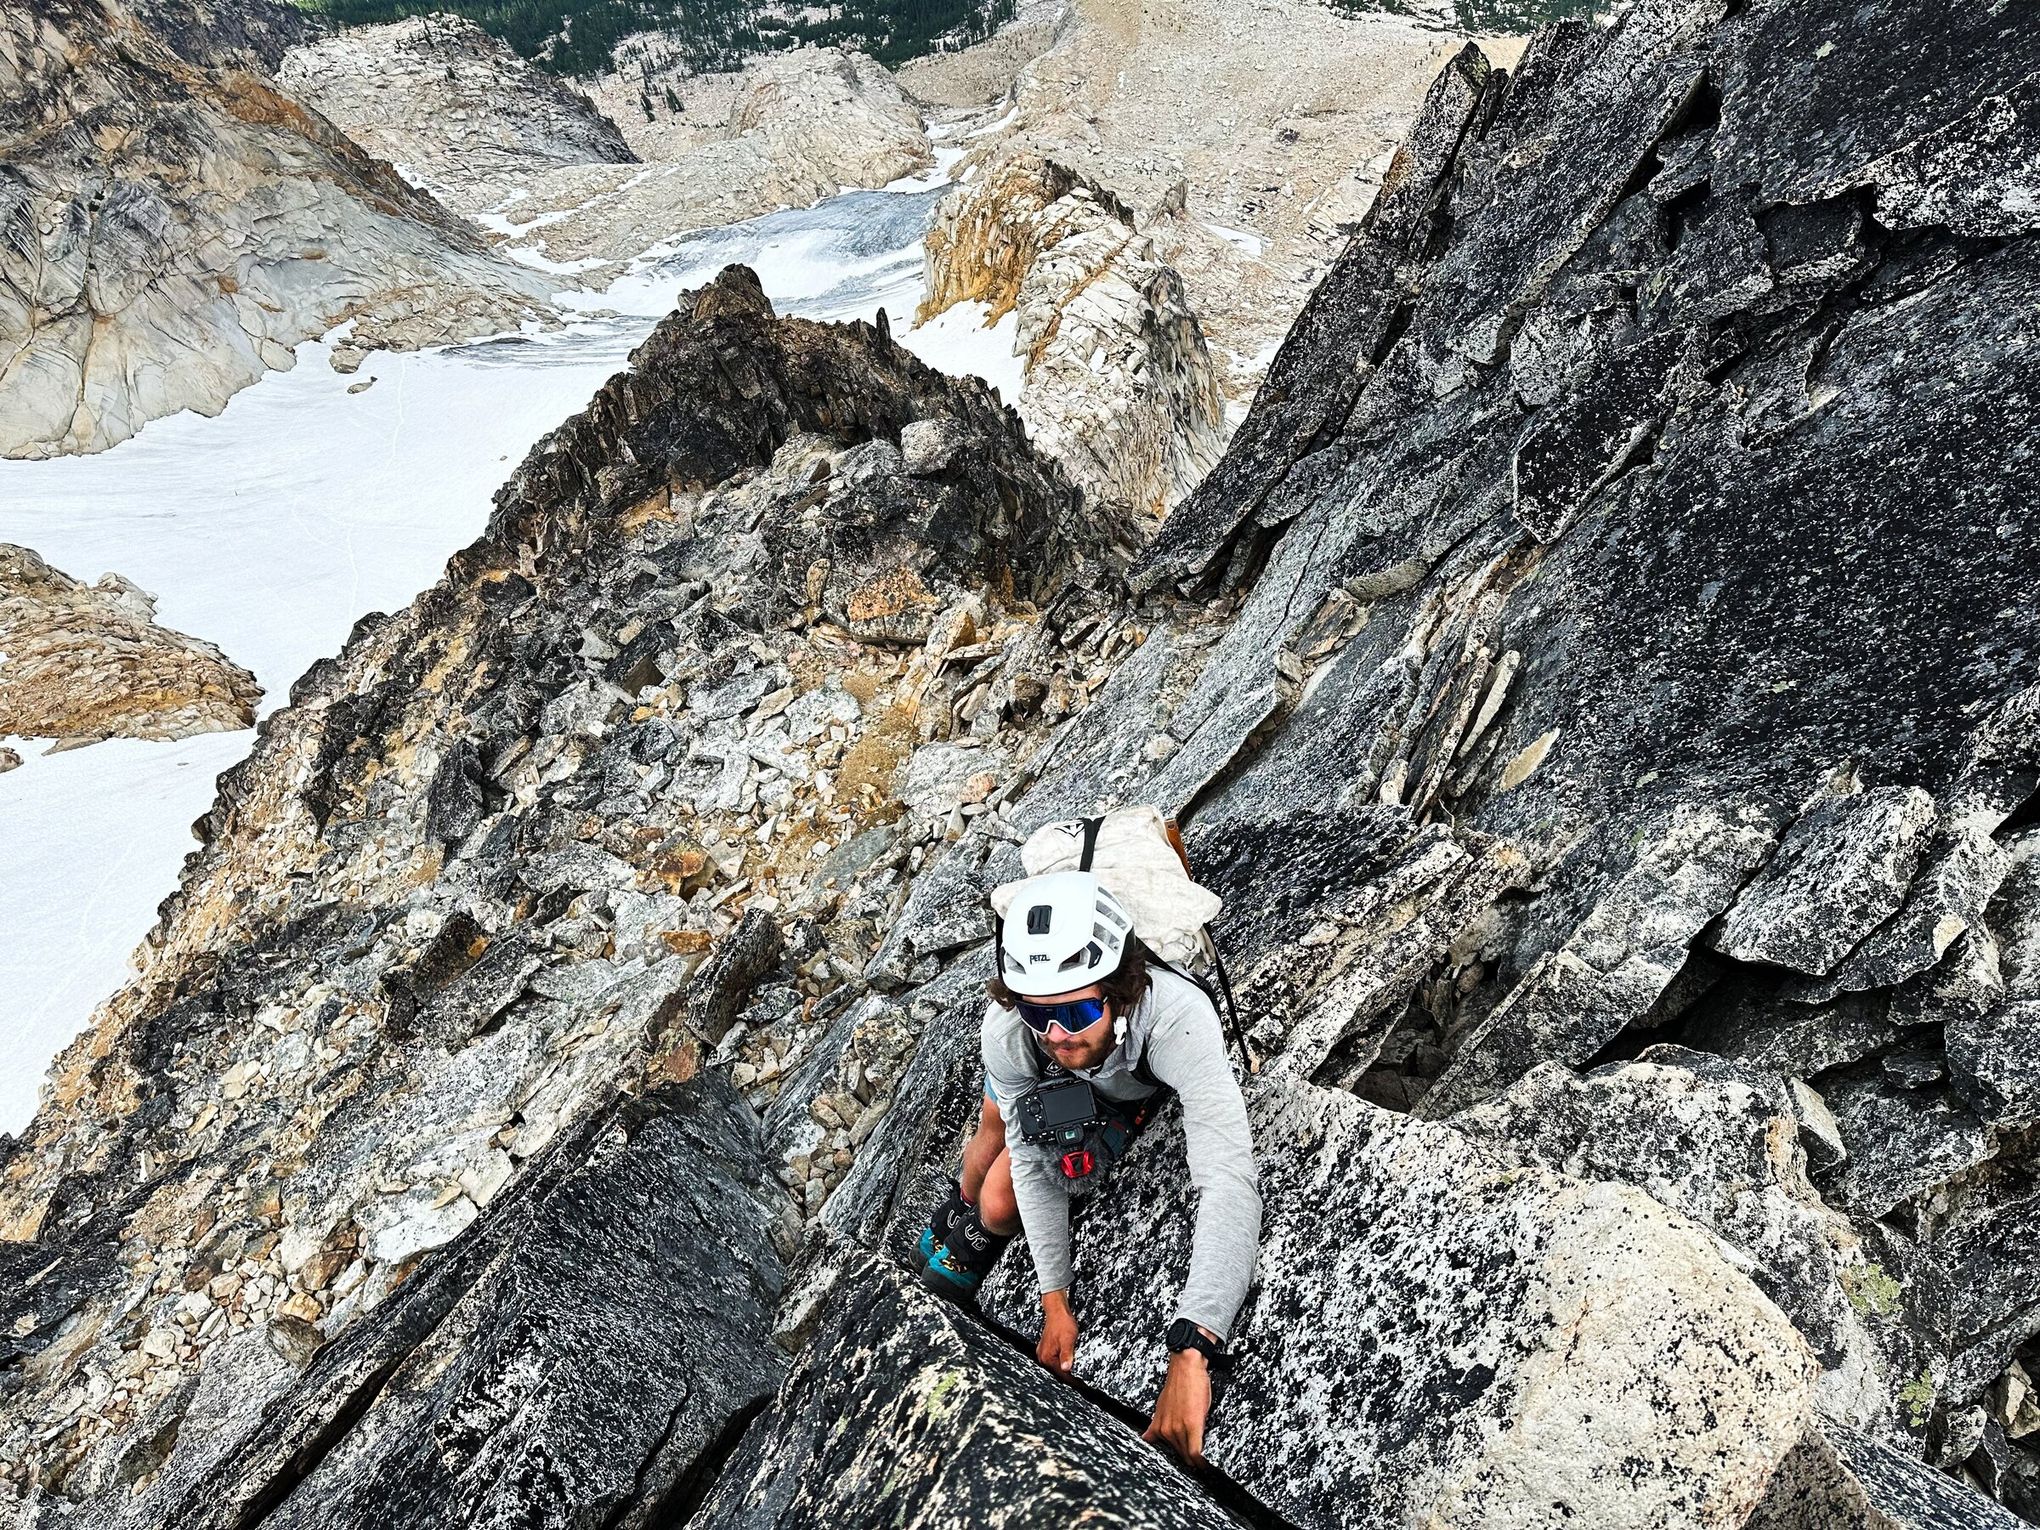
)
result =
(271, 528)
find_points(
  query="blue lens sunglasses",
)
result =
(1073, 1016)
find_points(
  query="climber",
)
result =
(1085, 1038)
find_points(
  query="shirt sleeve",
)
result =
(1037, 1191)
(1187, 1052)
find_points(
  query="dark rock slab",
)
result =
(717, 993)
(1977, 1264)
(1585, 110)
(1996, 1061)
(1976, 175)
(1842, 1479)
(1581, 440)
(1618, 961)
(1751, 1024)
(1946, 899)
(566, 1363)
(1841, 871)
(1814, 101)
(1990, 1003)
(1901, 1142)
(905, 1412)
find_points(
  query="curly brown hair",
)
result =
(1124, 987)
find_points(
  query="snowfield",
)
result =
(272, 528)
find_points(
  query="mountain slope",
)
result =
(173, 228)
(1596, 687)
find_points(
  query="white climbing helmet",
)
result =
(1061, 932)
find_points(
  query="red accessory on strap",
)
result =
(1077, 1164)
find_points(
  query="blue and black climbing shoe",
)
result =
(943, 1223)
(950, 1280)
(958, 1267)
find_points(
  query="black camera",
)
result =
(1058, 1113)
(1062, 1114)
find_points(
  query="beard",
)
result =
(1084, 1052)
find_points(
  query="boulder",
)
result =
(1993, 1020)
(1842, 869)
(1617, 963)
(1901, 1141)
(1719, 1144)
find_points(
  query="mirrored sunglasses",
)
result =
(1073, 1016)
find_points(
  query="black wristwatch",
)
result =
(1184, 1334)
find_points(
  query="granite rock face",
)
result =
(1441, 1336)
(1590, 524)
(86, 662)
(228, 34)
(952, 1426)
(174, 226)
(1120, 385)
(792, 129)
(632, 1262)
(440, 97)
(1599, 693)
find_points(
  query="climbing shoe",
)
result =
(958, 1267)
(950, 1280)
(943, 1222)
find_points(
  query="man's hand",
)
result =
(1181, 1409)
(1058, 1346)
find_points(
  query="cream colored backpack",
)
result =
(1138, 855)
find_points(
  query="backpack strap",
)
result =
(1144, 1073)
(1091, 827)
(1232, 1013)
(1221, 998)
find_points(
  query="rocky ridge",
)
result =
(175, 226)
(439, 97)
(1120, 388)
(1640, 958)
(753, 629)
(82, 662)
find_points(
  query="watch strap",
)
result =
(1184, 1334)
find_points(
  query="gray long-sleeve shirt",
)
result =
(1185, 1049)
